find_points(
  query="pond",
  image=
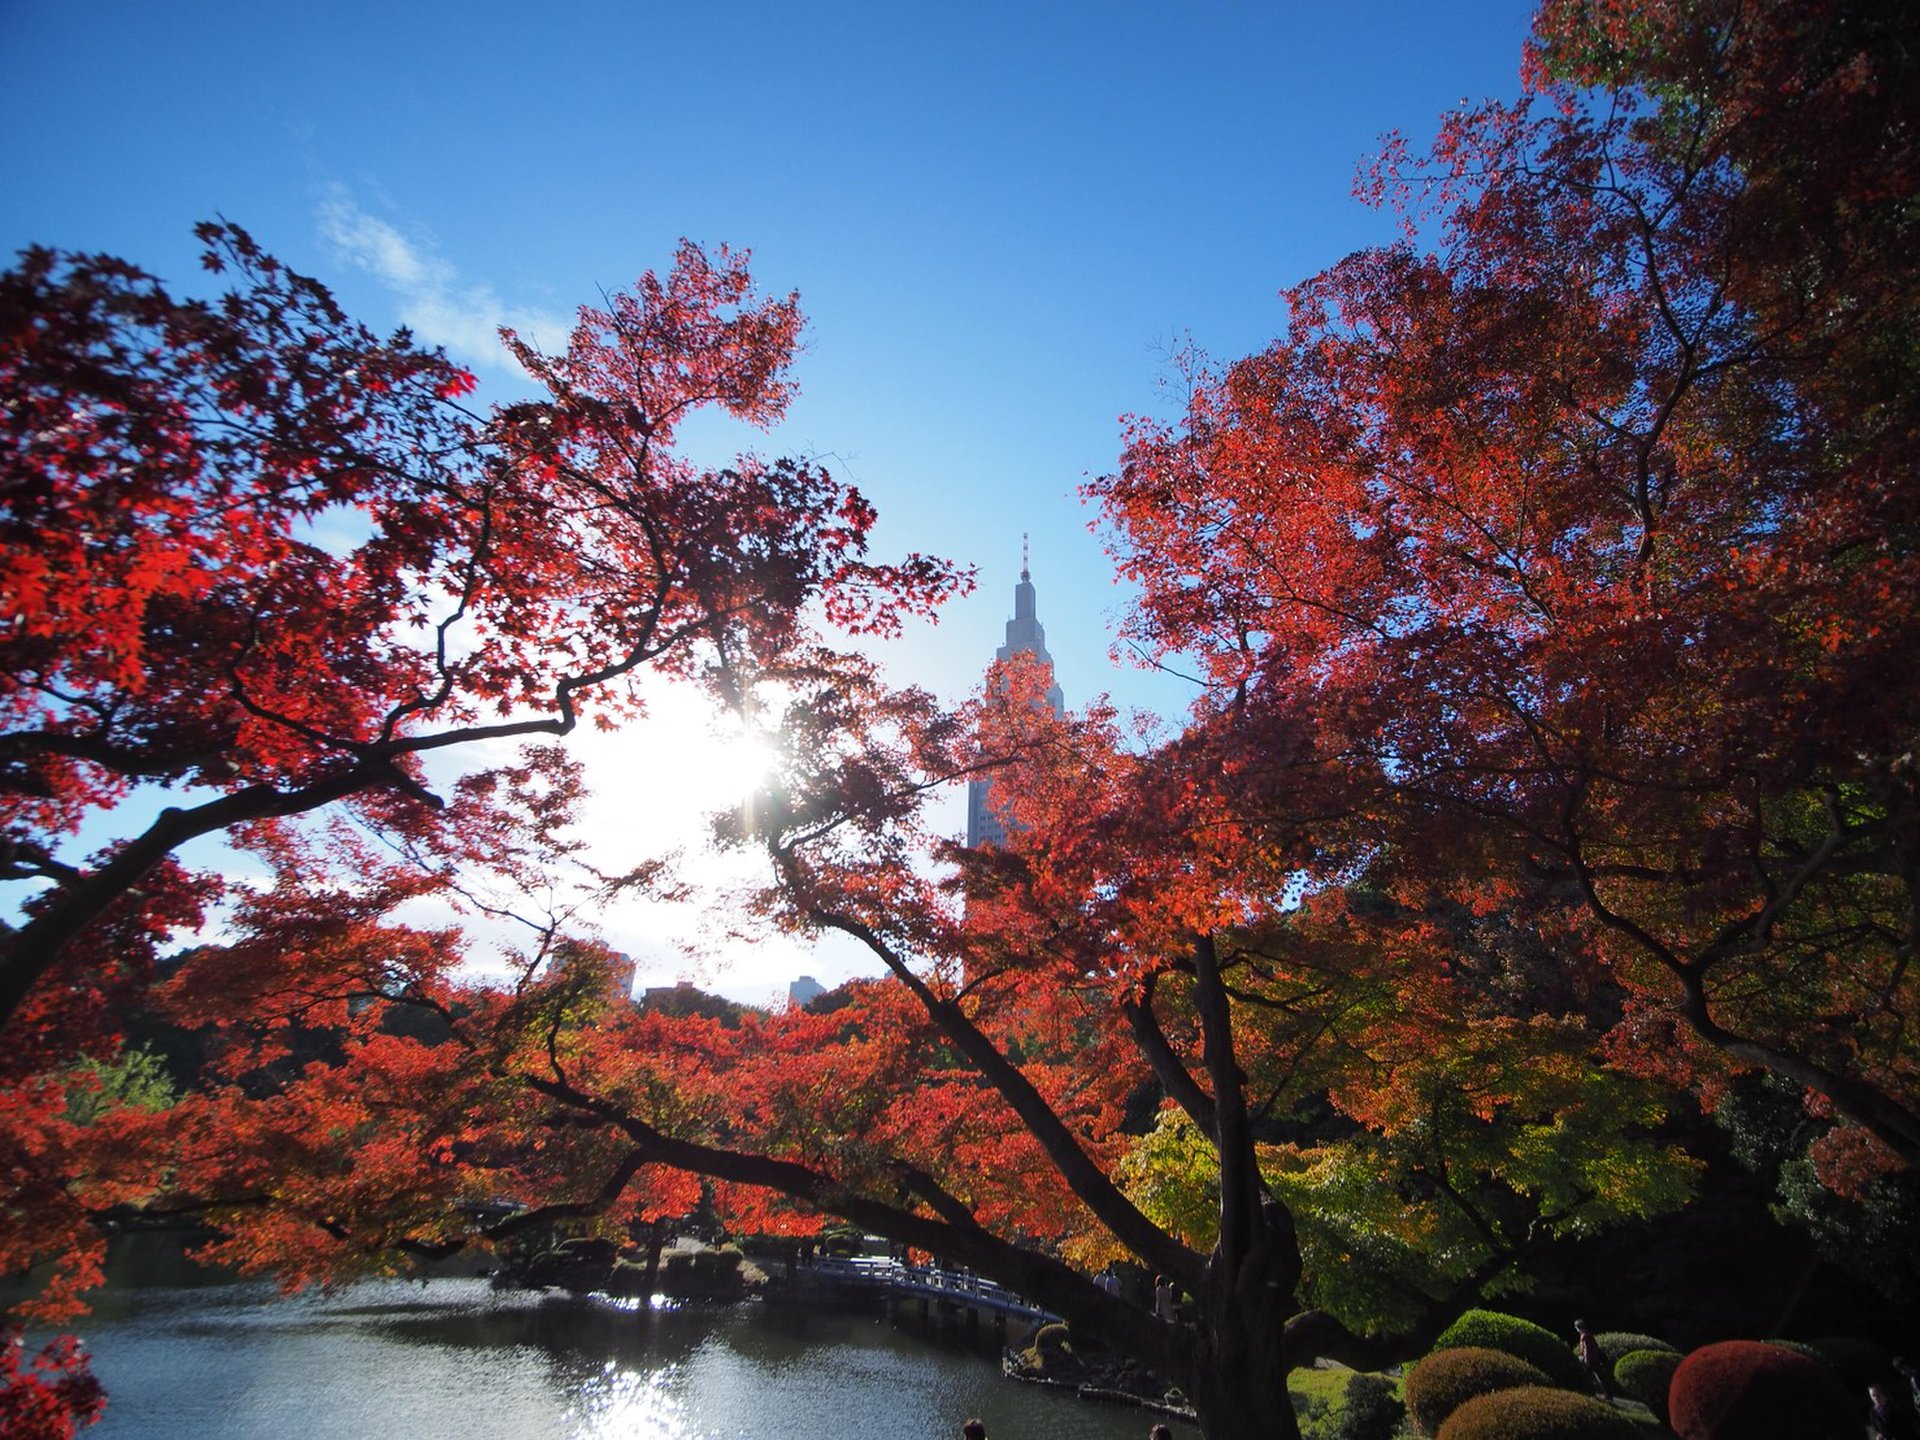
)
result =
(453, 1358)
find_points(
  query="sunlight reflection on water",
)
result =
(624, 1405)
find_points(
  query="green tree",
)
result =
(135, 1079)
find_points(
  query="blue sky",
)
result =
(1000, 218)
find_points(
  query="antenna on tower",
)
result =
(1023, 556)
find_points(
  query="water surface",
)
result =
(452, 1358)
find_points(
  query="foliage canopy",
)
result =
(1552, 577)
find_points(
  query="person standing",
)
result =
(1590, 1356)
(1163, 1299)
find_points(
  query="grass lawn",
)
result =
(1327, 1386)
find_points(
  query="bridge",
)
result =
(929, 1284)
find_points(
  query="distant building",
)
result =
(622, 970)
(1025, 636)
(804, 989)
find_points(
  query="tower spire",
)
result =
(1025, 636)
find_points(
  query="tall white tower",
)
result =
(1025, 636)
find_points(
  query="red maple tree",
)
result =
(1585, 538)
(260, 563)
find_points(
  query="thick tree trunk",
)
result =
(1239, 1390)
(1238, 1381)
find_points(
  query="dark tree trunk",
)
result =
(1239, 1385)
(1244, 1399)
(1239, 1406)
(1238, 1382)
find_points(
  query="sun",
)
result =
(752, 760)
(657, 783)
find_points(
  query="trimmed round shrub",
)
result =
(1747, 1390)
(1053, 1339)
(1616, 1343)
(1447, 1379)
(1537, 1412)
(1491, 1330)
(1646, 1375)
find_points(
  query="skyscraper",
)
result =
(1025, 636)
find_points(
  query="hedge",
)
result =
(1616, 1343)
(1491, 1330)
(1747, 1390)
(1646, 1376)
(1447, 1379)
(1538, 1412)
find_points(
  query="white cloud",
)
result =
(433, 301)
